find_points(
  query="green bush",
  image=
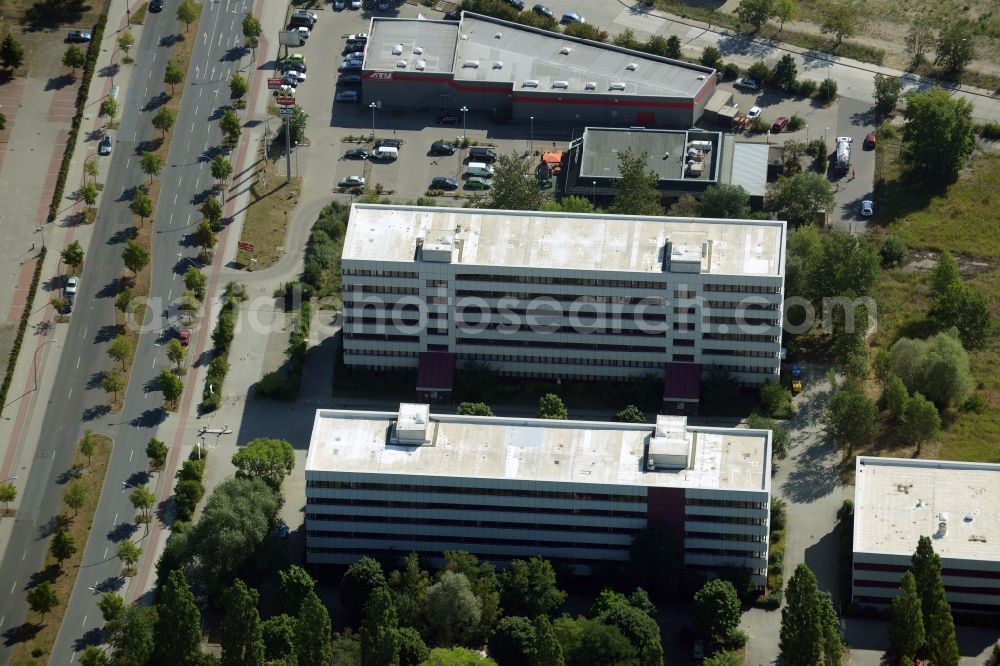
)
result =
(846, 510)
(222, 337)
(796, 122)
(805, 88)
(827, 91)
(730, 71)
(778, 514)
(990, 131)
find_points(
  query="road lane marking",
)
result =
(192, 128)
(25, 554)
(127, 162)
(84, 623)
(169, 221)
(149, 76)
(135, 134)
(78, 362)
(175, 199)
(2, 620)
(84, 332)
(116, 520)
(154, 56)
(170, 293)
(130, 455)
(105, 552)
(70, 394)
(12, 586)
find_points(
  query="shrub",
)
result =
(827, 91)
(846, 510)
(796, 122)
(222, 337)
(778, 514)
(730, 71)
(893, 250)
(806, 88)
(990, 131)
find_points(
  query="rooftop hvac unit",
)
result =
(420, 65)
(631, 67)
(401, 64)
(590, 85)
(498, 64)
(397, 49)
(530, 83)
(498, 35)
(565, 50)
(616, 86)
(472, 64)
(943, 523)
(560, 84)
(418, 50)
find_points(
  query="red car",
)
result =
(870, 141)
(184, 335)
(779, 124)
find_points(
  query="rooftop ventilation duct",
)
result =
(418, 50)
(616, 86)
(420, 65)
(565, 50)
(530, 83)
(498, 64)
(472, 64)
(560, 84)
(590, 85)
(411, 424)
(401, 64)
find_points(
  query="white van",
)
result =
(481, 169)
(386, 153)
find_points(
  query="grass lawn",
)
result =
(267, 216)
(963, 219)
(78, 527)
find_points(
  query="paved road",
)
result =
(76, 402)
(185, 180)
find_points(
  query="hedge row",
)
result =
(21, 328)
(189, 489)
(285, 386)
(81, 102)
(222, 337)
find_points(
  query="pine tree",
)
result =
(312, 633)
(242, 641)
(906, 629)
(178, 623)
(379, 631)
(926, 568)
(548, 651)
(833, 647)
(801, 637)
(939, 626)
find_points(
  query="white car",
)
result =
(339, 4)
(303, 32)
(294, 77)
(867, 208)
(754, 112)
(358, 37)
(355, 4)
(71, 286)
(352, 181)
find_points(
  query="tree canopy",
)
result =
(724, 201)
(265, 458)
(241, 637)
(312, 633)
(512, 187)
(550, 406)
(178, 623)
(808, 632)
(528, 588)
(938, 135)
(638, 189)
(362, 578)
(906, 627)
(452, 607)
(937, 367)
(716, 609)
(800, 198)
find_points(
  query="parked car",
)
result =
(305, 13)
(779, 124)
(184, 335)
(480, 154)
(71, 286)
(78, 36)
(748, 83)
(442, 148)
(357, 154)
(353, 52)
(870, 141)
(352, 181)
(383, 5)
(543, 10)
(347, 97)
(293, 77)
(156, 6)
(867, 208)
(453, 15)
(339, 4)
(303, 32)
(516, 4)
(753, 112)
(442, 183)
(295, 58)
(572, 17)
(355, 4)
(476, 183)
(360, 37)
(447, 119)
(349, 80)
(104, 147)
(286, 67)
(388, 143)
(353, 67)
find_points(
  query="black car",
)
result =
(442, 148)
(442, 183)
(293, 66)
(516, 4)
(156, 6)
(454, 15)
(388, 143)
(448, 119)
(350, 68)
(543, 10)
(349, 80)
(357, 154)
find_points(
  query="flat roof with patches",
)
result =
(573, 241)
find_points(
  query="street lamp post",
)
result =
(373, 106)
(531, 136)
(825, 131)
(464, 111)
(594, 191)
(807, 133)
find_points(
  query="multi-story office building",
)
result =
(562, 295)
(386, 484)
(896, 501)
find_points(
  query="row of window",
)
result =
(496, 541)
(396, 520)
(381, 337)
(743, 288)
(740, 337)
(556, 344)
(638, 512)
(472, 490)
(751, 321)
(746, 369)
(560, 360)
(374, 273)
(739, 305)
(568, 298)
(730, 504)
(583, 282)
(725, 536)
(723, 552)
(739, 352)
(372, 289)
(481, 554)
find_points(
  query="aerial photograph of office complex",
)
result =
(494, 333)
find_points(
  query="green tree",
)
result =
(312, 633)
(802, 623)
(640, 630)
(638, 192)
(75, 496)
(409, 592)
(195, 281)
(109, 108)
(528, 588)
(294, 584)
(920, 421)
(550, 406)
(724, 659)
(89, 168)
(896, 396)
(231, 127)
(88, 194)
(156, 451)
(359, 581)
(221, 168)
(187, 13)
(211, 210)
(724, 201)
(906, 628)
(918, 39)
(296, 127)
(142, 206)
(11, 53)
(967, 310)
(173, 73)
(785, 71)
(944, 274)
(379, 631)
(238, 86)
(42, 599)
(163, 121)
(278, 634)
(72, 256)
(755, 12)
(511, 188)
(925, 564)
(452, 607)
(851, 418)
(776, 400)
(937, 367)
(606, 598)
(939, 626)
(548, 652)
(128, 553)
(241, 637)
(178, 622)
(412, 649)
(893, 251)
(266, 458)
(841, 19)
(630, 414)
(112, 606)
(143, 499)
(456, 656)
(942, 645)
(711, 57)
(171, 385)
(474, 409)
(800, 198)
(74, 58)
(120, 350)
(956, 46)
(785, 11)
(131, 636)
(204, 236)
(8, 493)
(92, 656)
(939, 134)
(593, 643)
(716, 609)
(87, 444)
(514, 641)
(176, 352)
(63, 546)
(887, 91)
(251, 32)
(847, 265)
(125, 42)
(759, 71)
(112, 382)
(485, 585)
(151, 164)
(781, 438)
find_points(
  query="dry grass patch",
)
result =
(77, 526)
(267, 216)
(139, 15)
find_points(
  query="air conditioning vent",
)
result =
(590, 85)
(418, 50)
(420, 65)
(498, 64)
(401, 64)
(631, 67)
(472, 64)
(565, 50)
(530, 83)
(498, 35)
(397, 49)
(616, 86)
(560, 84)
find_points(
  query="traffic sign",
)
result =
(285, 113)
(285, 101)
(246, 246)
(273, 82)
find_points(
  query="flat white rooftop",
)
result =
(899, 500)
(573, 241)
(533, 450)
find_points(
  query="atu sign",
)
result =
(384, 76)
